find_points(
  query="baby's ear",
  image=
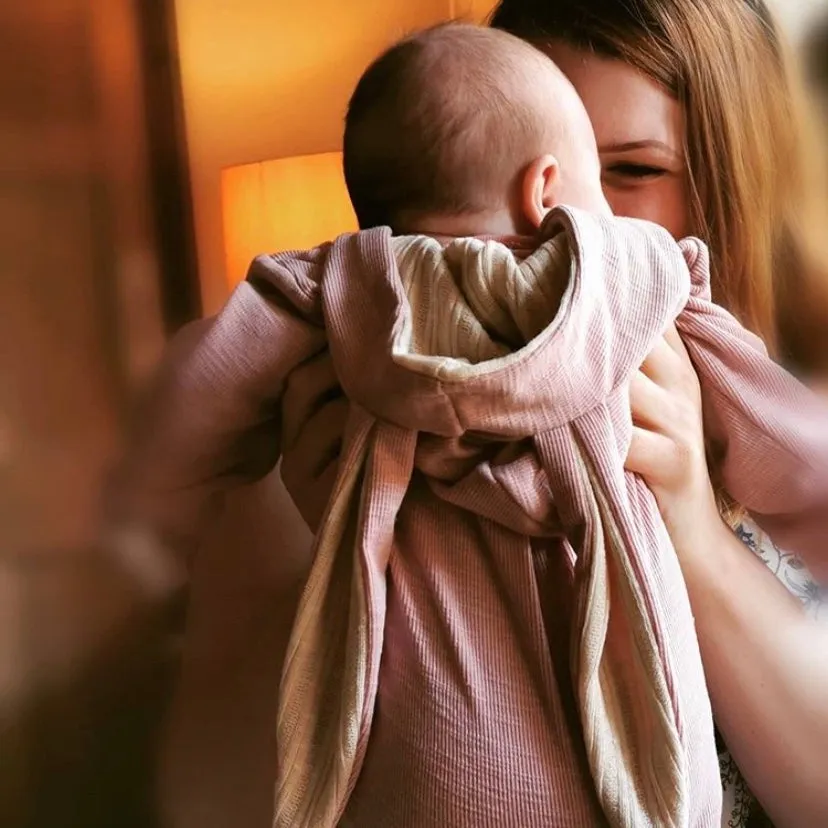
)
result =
(540, 184)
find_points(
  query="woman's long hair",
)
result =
(758, 197)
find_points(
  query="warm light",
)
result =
(287, 204)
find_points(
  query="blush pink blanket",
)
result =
(495, 630)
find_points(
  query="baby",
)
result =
(467, 131)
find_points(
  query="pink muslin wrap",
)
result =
(495, 630)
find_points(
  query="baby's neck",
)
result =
(453, 227)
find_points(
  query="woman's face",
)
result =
(639, 129)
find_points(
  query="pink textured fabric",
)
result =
(473, 509)
(466, 480)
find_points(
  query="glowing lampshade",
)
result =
(286, 204)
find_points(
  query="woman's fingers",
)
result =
(668, 363)
(318, 441)
(650, 456)
(650, 403)
(309, 469)
(667, 443)
(661, 364)
(306, 391)
(674, 340)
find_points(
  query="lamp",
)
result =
(285, 204)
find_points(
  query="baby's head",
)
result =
(462, 130)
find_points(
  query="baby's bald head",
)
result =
(448, 121)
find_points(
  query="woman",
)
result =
(696, 119)
(708, 96)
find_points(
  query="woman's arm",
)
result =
(211, 421)
(766, 663)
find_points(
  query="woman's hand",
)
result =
(766, 664)
(668, 448)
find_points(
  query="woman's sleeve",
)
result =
(210, 421)
(769, 431)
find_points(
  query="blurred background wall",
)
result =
(116, 121)
(97, 266)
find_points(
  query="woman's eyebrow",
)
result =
(627, 146)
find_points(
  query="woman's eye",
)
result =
(638, 171)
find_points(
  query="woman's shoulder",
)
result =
(788, 568)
